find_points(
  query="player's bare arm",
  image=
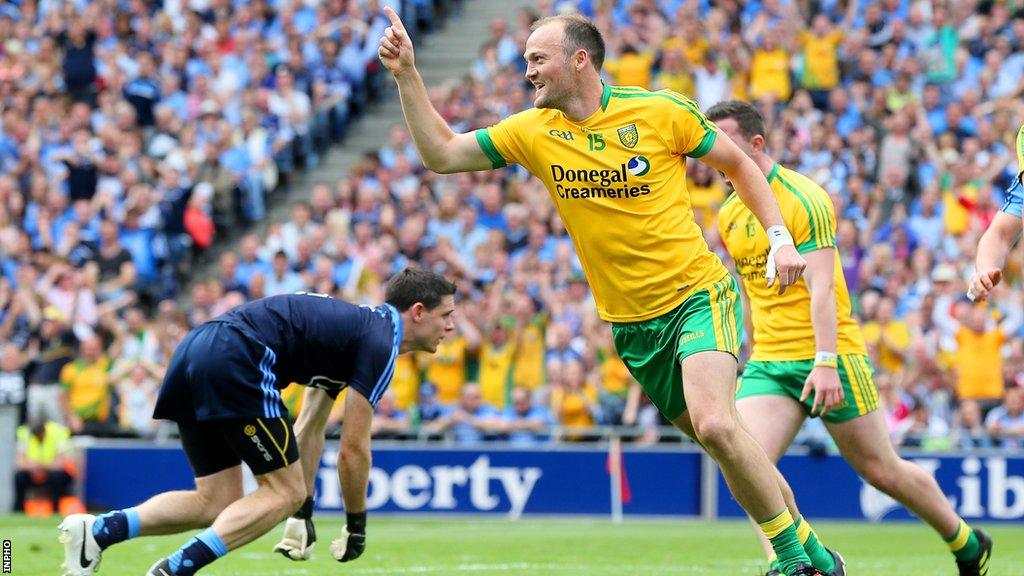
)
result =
(752, 188)
(354, 475)
(299, 534)
(441, 149)
(823, 380)
(309, 431)
(993, 247)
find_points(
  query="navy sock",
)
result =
(196, 553)
(116, 526)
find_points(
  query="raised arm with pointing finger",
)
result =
(442, 150)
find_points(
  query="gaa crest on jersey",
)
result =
(628, 136)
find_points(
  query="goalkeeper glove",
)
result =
(353, 538)
(299, 534)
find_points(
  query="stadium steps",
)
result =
(443, 56)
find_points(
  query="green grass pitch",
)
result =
(494, 547)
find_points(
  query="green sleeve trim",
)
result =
(705, 146)
(811, 246)
(483, 138)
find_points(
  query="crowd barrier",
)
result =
(677, 481)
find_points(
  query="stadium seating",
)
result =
(128, 143)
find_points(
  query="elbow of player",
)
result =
(438, 164)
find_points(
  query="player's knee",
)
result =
(290, 492)
(880, 474)
(213, 502)
(716, 432)
(288, 501)
(211, 508)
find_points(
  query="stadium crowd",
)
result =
(129, 140)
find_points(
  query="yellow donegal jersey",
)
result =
(618, 180)
(782, 324)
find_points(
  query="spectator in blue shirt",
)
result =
(472, 420)
(1006, 421)
(282, 279)
(249, 260)
(526, 424)
(388, 420)
(143, 91)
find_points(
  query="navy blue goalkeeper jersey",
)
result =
(319, 341)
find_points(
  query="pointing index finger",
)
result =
(393, 16)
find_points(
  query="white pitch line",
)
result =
(460, 568)
(515, 568)
(534, 568)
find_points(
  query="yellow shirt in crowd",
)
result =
(406, 381)
(896, 332)
(88, 388)
(495, 376)
(447, 369)
(572, 407)
(528, 364)
(631, 69)
(821, 60)
(979, 363)
(769, 74)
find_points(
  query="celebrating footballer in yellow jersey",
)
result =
(613, 160)
(618, 180)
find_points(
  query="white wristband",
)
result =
(779, 236)
(826, 359)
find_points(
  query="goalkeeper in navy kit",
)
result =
(222, 388)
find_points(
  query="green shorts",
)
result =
(786, 378)
(710, 319)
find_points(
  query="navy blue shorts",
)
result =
(218, 373)
(264, 444)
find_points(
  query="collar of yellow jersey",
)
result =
(606, 95)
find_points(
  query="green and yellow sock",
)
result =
(964, 543)
(820, 557)
(781, 532)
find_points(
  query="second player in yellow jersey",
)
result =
(795, 368)
(782, 327)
